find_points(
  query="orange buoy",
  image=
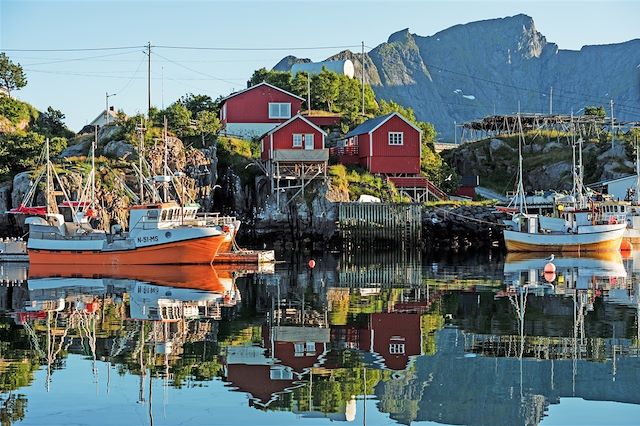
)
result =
(549, 277)
(550, 268)
(626, 246)
(312, 263)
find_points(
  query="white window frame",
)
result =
(396, 138)
(279, 372)
(297, 140)
(396, 348)
(280, 113)
(309, 137)
(298, 349)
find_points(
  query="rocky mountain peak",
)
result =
(401, 36)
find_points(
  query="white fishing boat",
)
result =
(577, 228)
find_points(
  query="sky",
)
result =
(259, 34)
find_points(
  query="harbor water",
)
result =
(363, 338)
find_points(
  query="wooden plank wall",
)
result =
(381, 223)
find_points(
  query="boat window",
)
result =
(164, 215)
(152, 214)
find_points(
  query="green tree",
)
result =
(50, 123)
(325, 88)
(207, 125)
(22, 151)
(178, 119)
(198, 103)
(281, 79)
(12, 76)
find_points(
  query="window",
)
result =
(308, 141)
(310, 348)
(396, 138)
(298, 349)
(396, 348)
(297, 140)
(279, 110)
(278, 372)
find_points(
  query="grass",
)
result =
(357, 181)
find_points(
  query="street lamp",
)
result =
(106, 111)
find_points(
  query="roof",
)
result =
(264, 83)
(100, 116)
(275, 129)
(373, 123)
(607, 182)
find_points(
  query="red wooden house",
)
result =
(388, 144)
(294, 154)
(253, 111)
(297, 133)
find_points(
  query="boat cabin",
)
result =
(161, 216)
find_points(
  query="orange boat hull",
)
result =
(195, 251)
(198, 277)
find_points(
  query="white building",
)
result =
(617, 188)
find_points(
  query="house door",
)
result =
(308, 141)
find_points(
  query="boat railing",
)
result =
(56, 236)
(216, 219)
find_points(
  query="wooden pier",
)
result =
(12, 250)
(255, 257)
(386, 222)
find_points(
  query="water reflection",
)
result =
(361, 337)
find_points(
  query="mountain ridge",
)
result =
(471, 70)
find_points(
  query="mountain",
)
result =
(472, 70)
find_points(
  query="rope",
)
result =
(470, 217)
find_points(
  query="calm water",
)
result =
(368, 339)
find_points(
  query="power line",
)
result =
(196, 71)
(226, 49)
(78, 59)
(79, 49)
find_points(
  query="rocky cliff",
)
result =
(472, 70)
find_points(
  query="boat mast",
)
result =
(140, 159)
(637, 194)
(48, 175)
(165, 167)
(520, 194)
(93, 167)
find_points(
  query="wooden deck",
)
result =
(246, 256)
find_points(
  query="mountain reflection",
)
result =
(468, 340)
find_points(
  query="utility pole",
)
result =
(455, 133)
(106, 111)
(551, 101)
(363, 78)
(149, 79)
(612, 128)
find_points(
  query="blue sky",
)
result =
(76, 82)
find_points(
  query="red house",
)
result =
(395, 337)
(297, 134)
(253, 111)
(388, 144)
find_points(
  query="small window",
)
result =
(311, 348)
(297, 140)
(396, 348)
(298, 349)
(279, 110)
(278, 372)
(396, 138)
(164, 215)
(152, 214)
